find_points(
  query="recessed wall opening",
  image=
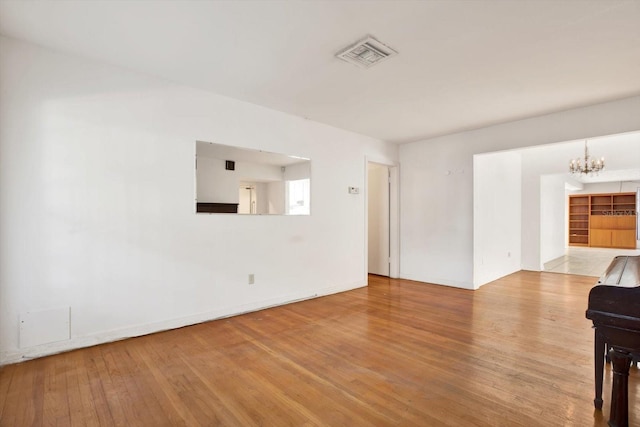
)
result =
(251, 182)
(536, 213)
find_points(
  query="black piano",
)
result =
(614, 308)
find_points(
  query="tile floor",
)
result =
(586, 261)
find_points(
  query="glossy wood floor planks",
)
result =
(517, 352)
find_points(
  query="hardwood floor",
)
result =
(517, 352)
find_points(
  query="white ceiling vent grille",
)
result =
(366, 53)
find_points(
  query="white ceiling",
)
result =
(460, 64)
(621, 153)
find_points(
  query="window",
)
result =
(299, 197)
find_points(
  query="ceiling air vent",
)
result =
(366, 53)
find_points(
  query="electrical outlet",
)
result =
(252, 279)
(354, 190)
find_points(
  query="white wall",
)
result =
(97, 187)
(437, 186)
(497, 219)
(214, 183)
(262, 193)
(553, 217)
(276, 198)
(609, 187)
(255, 172)
(297, 171)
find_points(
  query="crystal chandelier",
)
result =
(590, 166)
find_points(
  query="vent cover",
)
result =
(366, 52)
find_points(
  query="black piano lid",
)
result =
(618, 290)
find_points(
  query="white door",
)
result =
(378, 218)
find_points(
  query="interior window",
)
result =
(299, 197)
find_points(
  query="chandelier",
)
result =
(590, 166)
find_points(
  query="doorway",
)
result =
(378, 190)
(247, 199)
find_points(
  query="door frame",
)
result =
(394, 216)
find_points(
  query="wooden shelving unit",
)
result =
(625, 204)
(579, 220)
(603, 220)
(601, 204)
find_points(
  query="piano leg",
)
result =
(598, 351)
(619, 399)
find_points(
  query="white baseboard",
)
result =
(9, 357)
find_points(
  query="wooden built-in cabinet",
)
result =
(603, 220)
(611, 231)
(579, 220)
